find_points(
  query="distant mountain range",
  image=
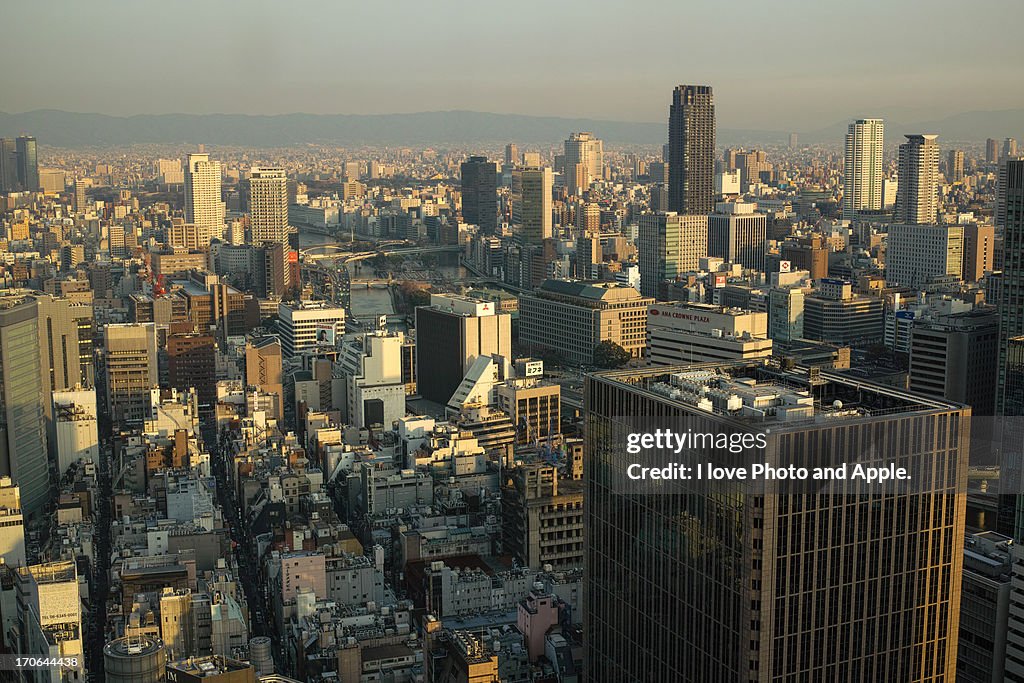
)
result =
(69, 129)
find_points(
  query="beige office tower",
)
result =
(668, 245)
(771, 581)
(862, 174)
(203, 205)
(531, 203)
(263, 369)
(955, 163)
(585, 150)
(917, 195)
(130, 354)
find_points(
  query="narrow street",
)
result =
(95, 636)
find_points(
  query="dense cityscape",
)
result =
(397, 413)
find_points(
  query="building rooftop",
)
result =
(595, 291)
(212, 665)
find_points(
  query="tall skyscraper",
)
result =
(955, 163)
(862, 170)
(28, 163)
(737, 581)
(586, 151)
(8, 165)
(480, 193)
(1009, 148)
(1011, 290)
(203, 205)
(917, 195)
(268, 205)
(668, 245)
(23, 449)
(531, 203)
(511, 154)
(991, 151)
(691, 150)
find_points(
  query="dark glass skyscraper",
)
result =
(480, 193)
(1011, 284)
(738, 581)
(8, 165)
(28, 163)
(691, 150)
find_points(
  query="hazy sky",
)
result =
(787, 64)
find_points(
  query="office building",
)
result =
(74, 430)
(534, 406)
(669, 245)
(572, 318)
(700, 333)
(8, 165)
(1009, 148)
(371, 369)
(985, 605)
(979, 251)
(50, 614)
(263, 370)
(191, 364)
(307, 324)
(130, 358)
(584, 161)
(691, 150)
(991, 151)
(954, 357)
(28, 163)
(836, 315)
(169, 171)
(66, 342)
(738, 234)
(542, 517)
(268, 205)
(215, 669)
(920, 255)
(511, 154)
(12, 524)
(731, 581)
(531, 203)
(786, 314)
(23, 445)
(1011, 287)
(135, 659)
(451, 333)
(955, 166)
(917, 197)
(480, 193)
(203, 205)
(862, 169)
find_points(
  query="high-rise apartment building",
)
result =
(668, 245)
(738, 234)
(691, 150)
(531, 203)
(585, 151)
(480, 193)
(723, 581)
(23, 445)
(451, 333)
(203, 205)
(130, 354)
(921, 254)
(862, 170)
(268, 205)
(917, 196)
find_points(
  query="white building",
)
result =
(75, 427)
(268, 205)
(917, 198)
(371, 365)
(700, 333)
(306, 324)
(50, 614)
(203, 204)
(862, 170)
(918, 254)
(738, 234)
(12, 524)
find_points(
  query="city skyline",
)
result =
(299, 64)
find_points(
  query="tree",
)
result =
(418, 297)
(608, 354)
